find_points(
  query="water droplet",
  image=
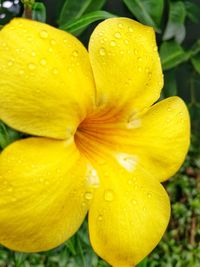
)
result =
(88, 195)
(149, 74)
(139, 59)
(118, 35)
(83, 204)
(126, 41)
(21, 72)
(100, 217)
(149, 195)
(108, 195)
(33, 54)
(155, 48)
(53, 42)
(113, 43)
(120, 25)
(10, 189)
(130, 29)
(55, 71)
(43, 61)
(44, 34)
(10, 63)
(127, 161)
(31, 66)
(75, 53)
(65, 41)
(50, 49)
(102, 51)
(70, 69)
(139, 69)
(135, 51)
(134, 202)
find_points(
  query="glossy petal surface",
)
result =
(128, 215)
(46, 83)
(42, 187)
(158, 139)
(126, 65)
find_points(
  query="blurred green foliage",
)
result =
(173, 20)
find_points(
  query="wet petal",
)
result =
(128, 215)
(157, 139)
(42, 194)
(46, 83)
(126, 64)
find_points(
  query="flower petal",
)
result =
(128, 215)
(42, 187)
(157, 139)
(126, 64)
(46, 82)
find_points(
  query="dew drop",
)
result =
(113, 43)
(43, 34)
(120, 25)
(55, 71)
(65, 41)
(130, 29)
(43, 61)
(149, 195)
(102, 51)
(31, 66)
(135, 51)
(126, 41)
(53, 42)
(108, 195)
(10, 189)
(88, 195)
(10, 63)
(155, 48)
(118, 35)
(100, 217)
(134, 202)
(149, 74)
(139, 59)
(33, 54)
(21, 72)
(83, 204)
(75, 53)
(139, 69)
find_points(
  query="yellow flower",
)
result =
(100, 144)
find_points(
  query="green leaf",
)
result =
(172, 54)
(195, 48)
(170, 87)
(193, 11)
(39, 12)
(143, 263)
(147, 11)
(73, 9)
(77, 24)
(95, 5)
(7, 135)
(196, 62)
(175, 25)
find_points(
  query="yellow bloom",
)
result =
(100, 144)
